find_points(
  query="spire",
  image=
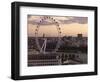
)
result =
(43, 35)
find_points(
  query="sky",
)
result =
(69, 25)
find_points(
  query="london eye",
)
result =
(42, 48)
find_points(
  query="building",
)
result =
(79, 35)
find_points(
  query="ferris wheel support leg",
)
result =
(45, 44)
(42, 48)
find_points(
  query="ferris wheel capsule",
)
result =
(59, 28)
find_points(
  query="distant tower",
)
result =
(79, 35)
(43, 35)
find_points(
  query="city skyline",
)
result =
(70, 26)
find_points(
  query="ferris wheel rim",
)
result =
(58, 29)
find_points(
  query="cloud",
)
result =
(80, 20)
(62, 20)
(37, 21)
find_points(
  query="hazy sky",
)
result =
(70, 25)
